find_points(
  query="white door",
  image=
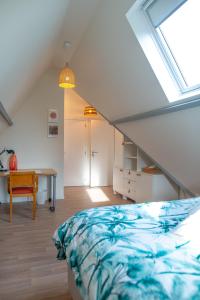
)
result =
(76, 153)
(102, 153)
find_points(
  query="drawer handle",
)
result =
(121, 170)
(138, 174)
(129, 182)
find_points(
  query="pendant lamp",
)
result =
(90, 111)
(67, 78)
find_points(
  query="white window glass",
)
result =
(180, 34)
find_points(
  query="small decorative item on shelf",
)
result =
(152, 170)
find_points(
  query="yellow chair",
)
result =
(23, 184)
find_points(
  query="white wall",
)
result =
(28, 135)
(114, 75)
(29, 34)
(173, 140)
(74, 106)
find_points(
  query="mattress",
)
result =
(145, 251)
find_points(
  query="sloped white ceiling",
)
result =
(32, 33)
(114, 75)
(28, 33)
(78, 17)
(111, 67)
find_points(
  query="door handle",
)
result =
(93, 153)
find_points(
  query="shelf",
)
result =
(131, 157)
(127, 143)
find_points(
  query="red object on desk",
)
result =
(13, 162)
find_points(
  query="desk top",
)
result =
(40, 172)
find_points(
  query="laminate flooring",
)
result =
(28, 266)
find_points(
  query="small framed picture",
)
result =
(53, 115)
(52, 130)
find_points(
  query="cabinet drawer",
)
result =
(128, 183)
(117, 172)
(129, 174)
(128, 187)
(130, 192)
(143, 187)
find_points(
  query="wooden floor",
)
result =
(28, 265)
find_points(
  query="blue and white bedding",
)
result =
(147, 251)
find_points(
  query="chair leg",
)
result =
(34, 207)
(11, 206)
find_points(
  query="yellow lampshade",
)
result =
(67, 78)
(90, 111)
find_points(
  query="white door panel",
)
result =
(76, 153)
(102, 153)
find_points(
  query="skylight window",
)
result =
(179, 35)
(173, 27)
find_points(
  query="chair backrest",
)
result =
(23, 179)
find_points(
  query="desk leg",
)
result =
(52, 208)
(50, 189)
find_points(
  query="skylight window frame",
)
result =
(166, 53)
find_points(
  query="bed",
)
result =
(145, 251)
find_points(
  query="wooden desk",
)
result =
(42, 172)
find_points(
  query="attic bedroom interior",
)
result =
(99, 150)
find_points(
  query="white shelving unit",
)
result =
(127, 154)
(130, 181)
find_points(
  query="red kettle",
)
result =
(13, 162)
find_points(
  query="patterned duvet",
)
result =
(145, 252)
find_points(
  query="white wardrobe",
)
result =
(131, 182)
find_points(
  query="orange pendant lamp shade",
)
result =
(67, 78)
(90, 111)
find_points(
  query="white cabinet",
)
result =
(118, 180)
(131, 182)
(129, 188)
(142, 187)
(143, 190)
(118, 149)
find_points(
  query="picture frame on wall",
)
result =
(53, 130)
(53, 116)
